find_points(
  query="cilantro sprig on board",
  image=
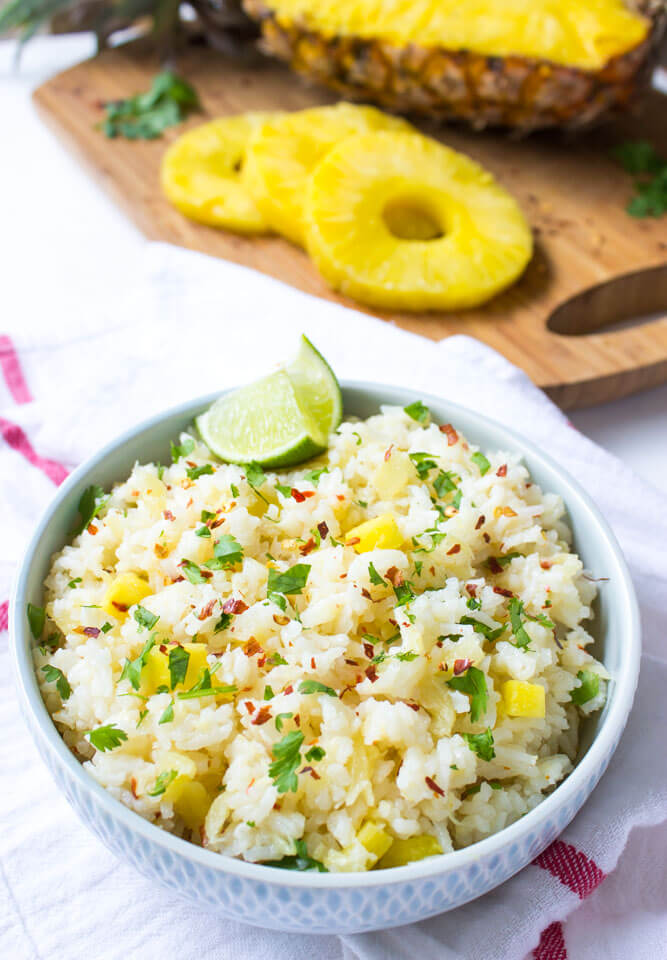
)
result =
(146, 116)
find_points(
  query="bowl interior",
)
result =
(615, 624)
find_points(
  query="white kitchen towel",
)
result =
(193, 325)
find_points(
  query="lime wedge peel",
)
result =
(280, 420)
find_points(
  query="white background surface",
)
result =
(63, 238)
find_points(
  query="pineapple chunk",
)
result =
(155, 672)
(377, 534)
(393, 475)
(189, 798)
(376, 840)
(126, 590)
(405, 851)
(523, 699)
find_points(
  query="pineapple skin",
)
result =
(517, 92)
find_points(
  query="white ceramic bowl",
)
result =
(336, 903)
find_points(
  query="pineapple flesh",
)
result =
(285, 150)
(520, 63)
(202, 174)
(399, 221)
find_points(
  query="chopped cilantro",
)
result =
(313, 476)
(298, 861)
(404, 593)
(73, 583)
(203, 688)
(279, 720)
(268, 692)
(92, 502)
(490, 633)
(168, 713)
(106, 738)
(472, 682)
(354, 434)
(286, 759)
(203, 531)
(206, 515)
(227, 552)
(418, 411)
(472, 603)
(144, 617)
(516, 609)
(443, 483)
(424, 463)
(195, 472)
(276, 660)
(145, 116)
(251, 824)
(481, 744)
(481, 461)
(192, 571)
(284, 490)
(362, 504)
(106, 627)
(184, 450)
(314, 686)
(590, 687)
(132, 668)
(234, 489)
(36, 619)
(279, 600)
(640, 158)
(255, 477)
(418, 567)
(456, 502)
(543, 620)
(375, 577)
(407, 657)
(315, 753)
(179, 658)
(55, 675)
(142, 716)
(290, 582)
(162, 782)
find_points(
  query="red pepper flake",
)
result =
(340, 496)
(323, 529)
(371, 673)
(288, 689)
(217, 523)
(351, 663)
(176, 580)
(460, 666)
(253, 648)
(502, 471)
(133, 787)
(413, 706)
(206, 611)
(545, 564)
(206, 574)
(121, 606)
(480, 522)
(162, 648)
(472, 589)
(203, 835)
(280, 619)
(487, 538)
(343, 576)
(395, 577)
(250, 706)
(310, 770)
(365, 593)
(308, 494)
(432, 785)
(263, 715)
(234, 606)
(501, 591)
(297, 719)
(450, 432)
(494, 566)
(313, 665)
(92, 529)
(91, 631)
(351, 541)
(306, 547)
(297, 495)
(249, 785)
(392, 622)
(189, 503)
(369, 650)
(168, 515)
(191, 463)
(455, 549)
(387, 453)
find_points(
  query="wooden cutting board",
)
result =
(594, 265)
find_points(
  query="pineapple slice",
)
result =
(202, 174)
(286, 149)
(397, 220)
(123, 592)
(523, 699)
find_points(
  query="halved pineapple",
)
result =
(286, 149)
(202, 174)
(397, 220)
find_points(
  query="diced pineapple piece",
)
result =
(155, 672)
(382, 533)
(376, 840)
(126, 590)
(190, 799)
(393, 475)
(523, 699)
(405, 851)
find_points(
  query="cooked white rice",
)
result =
(393, 736)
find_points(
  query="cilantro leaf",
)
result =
(278, 599)
(313, 476)
(423, 463)
(195, 472)
(192, 571)
(298, 861)
(268, 692)
(516, 609)
(91, 503)
(315, 753)
(590, 687)
(106, 627)
(284, 490)
(73, 583)
(132, 668)
(489, 632)
(168, 713)
(223, 622)
(481, 744)
(375, 577)
(179, 658)
(418, 411)
(286, 759)
(314, 686)
(207, 691)
(279, 720)
(638, 156)
(407, 657)
(404, 593)
(144, 617)
(182, 450)
(162, 782)
(203, 532)
(227, 552)
(472, 682)
(146, 115)
(276, 660)
(55, 675)
(481, 461)
(106, 738)
(36, 619)
(255, 477)
(290, 582)
(443, 483)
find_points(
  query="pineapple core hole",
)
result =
(410, 219)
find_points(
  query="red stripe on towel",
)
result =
(12, 372)
(572, 867)
(4, 615)
(552, 944)
(17, 440)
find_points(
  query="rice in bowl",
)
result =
(391, 636)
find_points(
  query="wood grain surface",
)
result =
(565, 322)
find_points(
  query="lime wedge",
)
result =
(278, 421)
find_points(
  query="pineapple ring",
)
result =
(286, 150)
(399, 221)
(202, 174)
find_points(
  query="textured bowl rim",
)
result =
(596, 756)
